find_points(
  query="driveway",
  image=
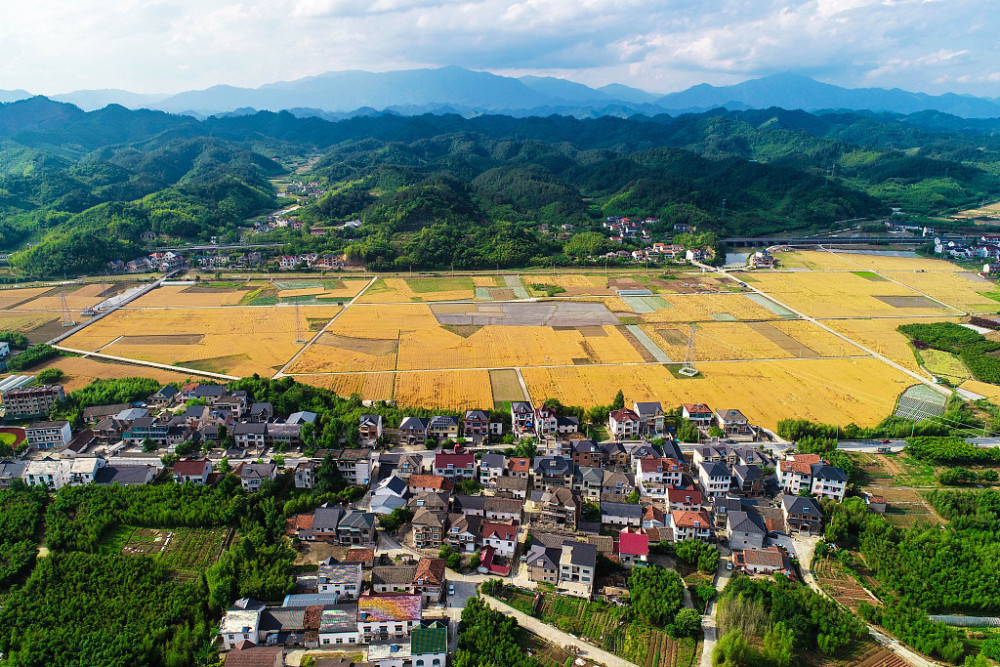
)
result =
(708, 625)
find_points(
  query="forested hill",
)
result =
(86, 187)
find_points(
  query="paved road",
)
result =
(556, 636)
(708, 621)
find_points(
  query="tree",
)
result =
(619, 402)
(394, 520)
(687, 623)
(329, 479)
(148, 445)
(733, 650)
(656, 593)
(779, 645)
(49, 376)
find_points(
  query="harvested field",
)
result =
(180, 296)
(80, 371)
(373, 386)
(575, 284)
(398, 290)
(484, 281)
(822, 294)
(990, 391)
(25, 322)
(505, 386)
(162, 339)
(719, 341)
(960, 289)
(327, 289)
(383, 321)
(10, 298)
(884, 263)
(702, 308)
(502, 346)
(862, 391)
(455, 390)
(908, 508)
(547, 313)
(76, 299)
(502, 294)
(867, 653)
(236, 341)
(337, 353)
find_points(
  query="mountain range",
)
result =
(458, 90)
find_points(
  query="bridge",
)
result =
(753, 242)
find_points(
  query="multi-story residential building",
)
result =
(48, 435)
(654, 475)
(455, 466)
(463, 532)
(356, 528)
(618, 482)
(413, 430)
(491, 468)
(699, 413)
(442, 427)
(519, 466)
(577, 567)
(522, 416)
(476, 423)
(651, 417)
(305, 474)
(52, 473)
(624, 424)
(429, 580)
(586, 453)
(545, 421)
(828, 482)
(192, 471)
(388, 617)
(552, 470)
(427, 529)
(633, 549)
(503, 509)
(555, 506)
(745, 530)
(625, 515)
(253, 475)
(250, 436)
(501, 536)
(715, 479)
(748, 480)
(588, 482)
(31, 401)
(690, 525)
(802, 514)
(340, 579)
(370, 427)
(733, 422)
(355, 465)
(681, 498)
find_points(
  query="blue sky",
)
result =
(53, 46)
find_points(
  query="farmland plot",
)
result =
(455, 390)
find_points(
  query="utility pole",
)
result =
(723, 209)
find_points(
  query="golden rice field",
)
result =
(962, 290)
(990, 391)
(987, 211)
(458, 390)
(398, 290)
(349, 290)
(484, 281)
(883, 263)
(79, 372)
(827, 295)
(504, 346)
(184, 296)
(333, 353)
(373, 386)
(702, 307)
(24, 322)
(814, 261)
(880, 336)
(575, 284)
(234, 341)
(76, 300)
(780, 339)
(842, 391)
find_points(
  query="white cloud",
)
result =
(51, 46)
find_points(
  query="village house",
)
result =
(370, 427)
(455, 466)
(748, 480)
(463, 532)
(413, 430)
(624, 424)
(690, 525)
(491, 468)
(340, 579)
(429, 580)
(651, 417)
(633, 549)
(715, 478)
(588, 482)
(699, 413)
(654, 475)
(745, 530)
(501, 536)
(442, 427)
(625, 515)
(427, 529)
(48, 435)
(253, 475)
(476, 423)
(801, 514)
(387, 617)
(192, 471)
(763, 561)
(682, 498)
(733, 422)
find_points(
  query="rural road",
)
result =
(805, 547)
(709, 625)
(556, 636)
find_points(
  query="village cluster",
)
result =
(536, 521)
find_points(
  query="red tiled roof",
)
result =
(693, 408)
(431, 482)
(655, 465)
(299, 522)
(431, 570)
(624, 414)
(806, 458)
(503, 531)
(770, 557)
(636, 544)
(519, 464)
(653, 513)
(359, 555)
(457, 460)
(675, 495)
(799, 467)
(688, 518)
(189, 468)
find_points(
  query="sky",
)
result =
(167, 46)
